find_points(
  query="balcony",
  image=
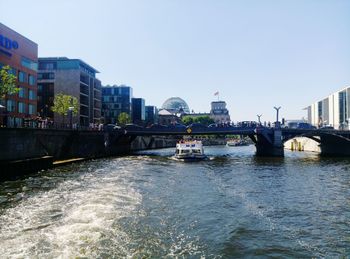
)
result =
(84, 110)
(84, 79)
(97, 104)
(84, 100)
(84, 89)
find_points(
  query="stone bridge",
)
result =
(268, 141)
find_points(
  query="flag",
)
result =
(216, 93)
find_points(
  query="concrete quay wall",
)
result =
(24, 147)
(26, 143)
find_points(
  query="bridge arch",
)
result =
(330, 143)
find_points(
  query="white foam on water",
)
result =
(71, 220)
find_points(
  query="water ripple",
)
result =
(149, 206)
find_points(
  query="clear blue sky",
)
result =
(257, 54)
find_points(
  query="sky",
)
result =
(256, 54)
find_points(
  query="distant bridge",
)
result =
(268, 141)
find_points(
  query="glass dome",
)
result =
(174, 104)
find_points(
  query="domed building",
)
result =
(176, 105)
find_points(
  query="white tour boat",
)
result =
(190, 150)
(236, 143)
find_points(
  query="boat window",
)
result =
(196, 151)
(177, 151)
(186, 151)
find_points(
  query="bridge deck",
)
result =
(233, 131)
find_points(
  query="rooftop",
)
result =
(68, 59)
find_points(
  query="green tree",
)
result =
(205, 120)
(62, 104)
(124, 118)
(187, 120)
(7, 82)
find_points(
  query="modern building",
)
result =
(176, 105)
(151, 114)
(21, 54)
(138, 113)
(115, 100)
(71, 77)
(331, 111)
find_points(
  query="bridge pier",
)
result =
(269, 143)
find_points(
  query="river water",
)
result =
(149, 206)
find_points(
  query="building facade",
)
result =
(331, 111)
(21, 54)
(138, 113)
(167, 118)
(219, 112)
(151, 113)
(71, 77)
(115, 100)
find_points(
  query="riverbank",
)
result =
(25, 150)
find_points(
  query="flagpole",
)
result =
(217, 94)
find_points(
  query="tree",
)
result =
(187, 120)
(62, 104)
(7, 82)
(205, 119)
(124, 118)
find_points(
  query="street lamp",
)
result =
(71, 116)
(259, 118)
(277, 110)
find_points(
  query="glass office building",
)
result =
(151, 114)
(138, 112)
(115, 100)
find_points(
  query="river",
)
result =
(150, 206)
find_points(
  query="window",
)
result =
(21, 107)
(31, 80)
(46, 75)
(12, 71)
(342, 107)
(22, 92)
(22, 77)
(10, 106)
(31, 109)
(26, 62)
(18, 122)
(68, 64)
(32, 95)
(47, 65)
